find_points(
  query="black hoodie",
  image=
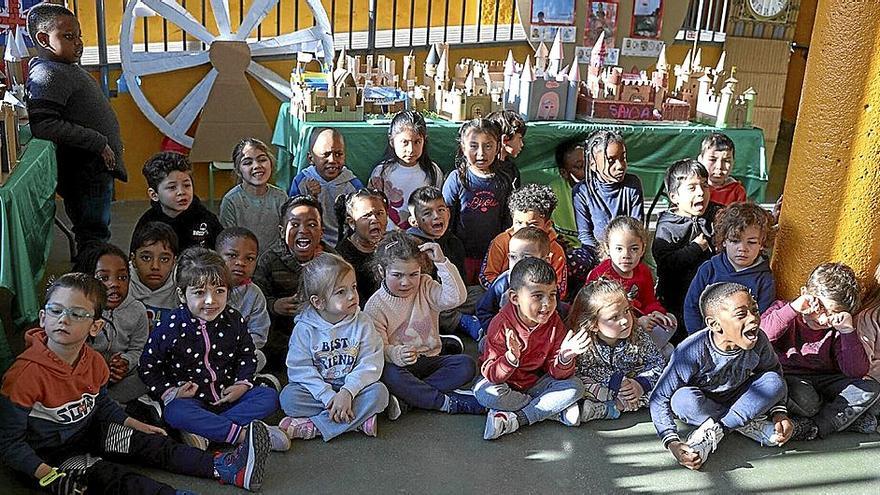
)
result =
(195, 226)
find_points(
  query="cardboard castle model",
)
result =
(722, 108)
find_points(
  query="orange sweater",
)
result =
(495, 262)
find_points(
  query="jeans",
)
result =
(694, 407)
(221, 424)
(298, 402)
(87, 203)
(833, 401)
(546, 398)
(425, 383)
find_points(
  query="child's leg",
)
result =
(546, 398)
(298, 402)
(425, 383)
(256, 403)
(580, 261)
(846, 400)
(371, 400)
(691, 406)
(762, 393)
(128, 389)
(803, 399)
(192, 415)
(87, 203)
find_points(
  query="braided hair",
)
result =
(600, 140)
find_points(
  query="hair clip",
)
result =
(391, 245)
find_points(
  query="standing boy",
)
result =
(717, 154)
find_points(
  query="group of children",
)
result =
(354, 295)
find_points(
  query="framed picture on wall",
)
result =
(647, 19)
(601, 17)
(553, 12)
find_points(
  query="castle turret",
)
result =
(526, 81)
(556, 55)
(431, 65)
(574, 82)
(541, 55)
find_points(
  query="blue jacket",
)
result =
(758, 278)
(492, 301)
(597, 202)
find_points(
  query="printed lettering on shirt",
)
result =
(483, 201)
(335, 358)
(154, 314)
(201, 233)
(69, 413)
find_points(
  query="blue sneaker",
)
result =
(470, 325)
(244, 466)
(464, 404)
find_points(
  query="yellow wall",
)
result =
(798, 62)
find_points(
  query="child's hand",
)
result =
(109, 157)
(631, 390)
(144, 427)
(514, 346)
(805, 304)
(702, 241)
(118, 367)
(574, 344)
(777, 209)
(408, 355)
(784, 428)
(842, 322)
(685, 455)
(656, 319)
(432, 249)
(285, 306)
(313, 187)
(340, 407)
(231, 394)
(187, 390)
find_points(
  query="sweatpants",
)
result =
(298, 402)
(833, 401)
(693, 406)
(546, 398)
(425, 383)
(224, 423)
(116, 444)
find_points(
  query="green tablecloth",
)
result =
(27, 214)
(651, 148)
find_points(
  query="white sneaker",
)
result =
(499, 423)
(704, 440)
(760, 430)
(194, 440)
(278, 439)
(395, 408)
(593, 410)
(571, 416)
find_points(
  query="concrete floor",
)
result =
(436, 453)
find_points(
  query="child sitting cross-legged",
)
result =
(335, 358)
(406, 312)
(622, 364)
(529, 361)
(723, 378)
(58, 418)
(153, 259)
(822, 355)
(199, 360)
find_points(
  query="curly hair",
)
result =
(731, 221)
(158, 166)
(232, 233)
(533, 197)
(838, 282)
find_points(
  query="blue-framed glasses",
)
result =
(56, 311)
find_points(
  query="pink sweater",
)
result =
(415, 320)
(868, 326)
(802, 350)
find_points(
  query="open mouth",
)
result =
(114, 297)
(302, 244)
(438, 226)
(751, 334)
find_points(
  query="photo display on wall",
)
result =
(647, 19)
(550, 16)
(601, 17)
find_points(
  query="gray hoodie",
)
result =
(249, 300)
(126, 331)
(344, 183)
(322, 355)
(156, 301)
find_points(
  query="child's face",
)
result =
(691, 197)
(480, 150)
(743, 250)
(302, 231)
(513, 146)
(240, 254)
(255, 167)
(112, 271)
(64, 41)
(611, 165)
(206, 303)
(615, 319)
(573, 164)
(535, 302)
(530, 219)
(153, 264)
(718, 163)
(368, 219)
(431, 217)
(408, 145)
(341, 302)
(519, 249)
(69, 319)
(402, 277)
(735, 323)
(328, 155)
(625, 249)
(175, 193)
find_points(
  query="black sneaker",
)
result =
(804, 428)
(244, 467)
(73, 481)
(464, 404)
(865, 424)
(451, 345)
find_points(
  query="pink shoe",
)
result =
(369, 426)
(301, 428)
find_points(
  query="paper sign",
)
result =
(548, 33)
(612, 55)
(637, 47)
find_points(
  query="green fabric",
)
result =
(27, 215)
(650, 148)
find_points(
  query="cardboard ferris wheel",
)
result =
(222, 99)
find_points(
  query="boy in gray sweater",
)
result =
(67, 107)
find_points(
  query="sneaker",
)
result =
(72, 479)
(804, 428)
(593, 410)
(499, 423)
(571, 416)
(396, 408)
(194, 440)
(865, 424)
(451, 345)
(278, 439)
(301, 428)
(704, 440)
(464, 404)
(761, 430)
(470, 325)
(267, 380)
(369, 427)
(244, 466)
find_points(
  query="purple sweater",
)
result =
(802, 350)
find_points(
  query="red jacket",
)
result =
(540, 353)
(495, 263)
(639, 288)
(732, 192)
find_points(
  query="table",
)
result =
(27, 214)
(651, 148)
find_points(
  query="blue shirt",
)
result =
(597, 202)
(479, 210)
